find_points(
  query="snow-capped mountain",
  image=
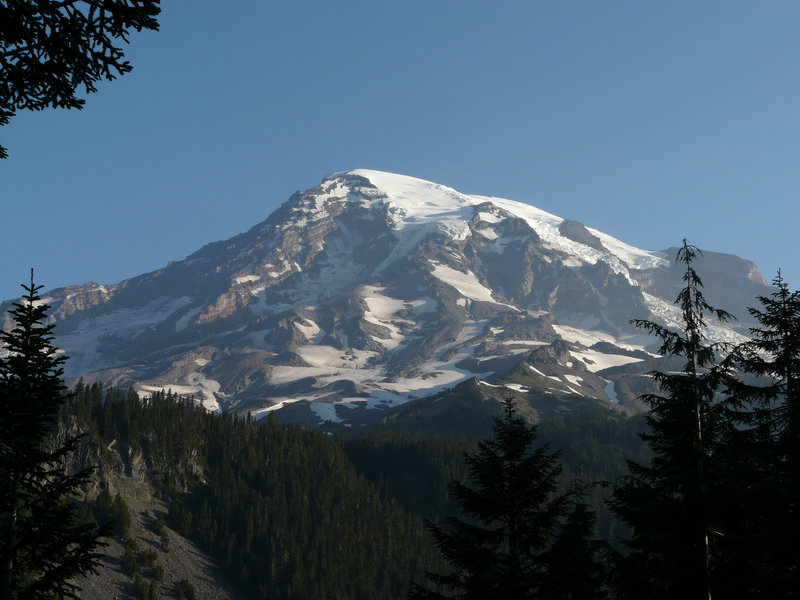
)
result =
(372, 289)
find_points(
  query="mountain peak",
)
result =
(366, 291)
(412, 201)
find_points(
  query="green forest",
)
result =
(291, 512)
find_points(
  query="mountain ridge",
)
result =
(374, 289)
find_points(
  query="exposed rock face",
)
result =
(577, 232)
(374, 288)
(183, 562)
(730, 282)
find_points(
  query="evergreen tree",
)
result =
(763, 452)
(42, 544)
(665, 503)
(511, 518)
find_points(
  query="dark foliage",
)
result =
(413, 468)
(666, 502)
(512, 535)
(43, 544)
(762, 455)
(49, 49)
(575, 569)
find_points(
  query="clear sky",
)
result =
(651, 121)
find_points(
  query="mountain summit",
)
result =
(372, 289)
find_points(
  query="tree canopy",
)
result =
(49, 49)
(515, 529)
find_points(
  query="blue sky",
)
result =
(651, 121)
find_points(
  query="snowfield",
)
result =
(416, 202)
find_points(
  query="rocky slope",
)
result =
(124, 470)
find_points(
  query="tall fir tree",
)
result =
(666, 503)
(502, 546)
(42, 544)
(763, 452)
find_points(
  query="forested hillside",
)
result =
(290, 512)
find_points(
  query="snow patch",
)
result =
(382, 310)
(535, 370)
(611, 392)
(193, 384)
(467, 283)
(583, 336)
(326, 411)
(576, 392)
(246, 278)
(489, 217)
(517, 388)
(670, 316)
(328, 356)
(597, 361)
(310, 330)
(184, 321)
